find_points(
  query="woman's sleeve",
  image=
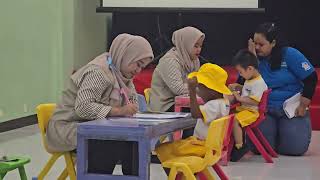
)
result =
(172, 76)
(88, 103)
(309, 85)
(300, 66)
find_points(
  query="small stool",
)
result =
(14, 163)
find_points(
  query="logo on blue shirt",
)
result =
(305, 66)
(284, 64)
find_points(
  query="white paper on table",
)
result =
(290, 105)
(160, 115)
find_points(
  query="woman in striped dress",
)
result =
(169, 79)
(94, 93)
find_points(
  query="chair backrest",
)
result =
(44, 113)
(215, 139)
(262, 107)
(147, 94)
(142, 103)
(228, 132)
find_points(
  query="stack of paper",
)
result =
(291, 104)
(160, 115)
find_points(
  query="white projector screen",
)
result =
(181, 3)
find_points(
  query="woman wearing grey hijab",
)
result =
(101, 89)
(169, 77)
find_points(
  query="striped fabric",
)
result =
(168, 81)
(172, 74)
(92, 85)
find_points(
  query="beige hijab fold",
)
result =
(184, 40)
(125, 49)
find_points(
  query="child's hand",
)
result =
(193, 82)
(236, 94)
(129, 109)
(231, 98)
(235, 87)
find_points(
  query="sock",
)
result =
(239, 146)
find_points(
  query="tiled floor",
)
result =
(27, 141)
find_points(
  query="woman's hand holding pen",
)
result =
(126, 110)
(129, 109)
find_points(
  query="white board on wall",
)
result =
(182, 3)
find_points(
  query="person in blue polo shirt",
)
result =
(287, 72)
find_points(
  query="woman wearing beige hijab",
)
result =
(170, 75)
(101, 89)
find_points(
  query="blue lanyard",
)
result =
(109, 62)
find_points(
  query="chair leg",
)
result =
(173, 174)
(2, 175)
(201, 176)
(258, 145)
(188, 175)
(220, 172)
(208, 175)
(226, 153)
(230, 147)
(48, 166)
(224, 158)
(186, 171)
(70, 166)
(177, 135)
(22, 173)
(177, 108)
(179, 176)
(265, 143)
(63, 175)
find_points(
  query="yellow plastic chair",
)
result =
(44, 112)
(193, 164)
(147, 94)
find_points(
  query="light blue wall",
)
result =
(41, 42)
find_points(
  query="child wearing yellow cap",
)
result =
(246, 64)
(209, 83)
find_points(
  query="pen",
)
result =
(125, 96)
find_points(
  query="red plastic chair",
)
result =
(256, 135)
(227, 139)
(184, 101)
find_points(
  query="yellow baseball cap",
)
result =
(213, 77)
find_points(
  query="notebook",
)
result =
(160, 115)
(290, 105)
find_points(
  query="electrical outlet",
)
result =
(25, 108)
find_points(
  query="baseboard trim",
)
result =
(18, 123)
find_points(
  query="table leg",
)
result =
(82, 153)
(144, 158)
